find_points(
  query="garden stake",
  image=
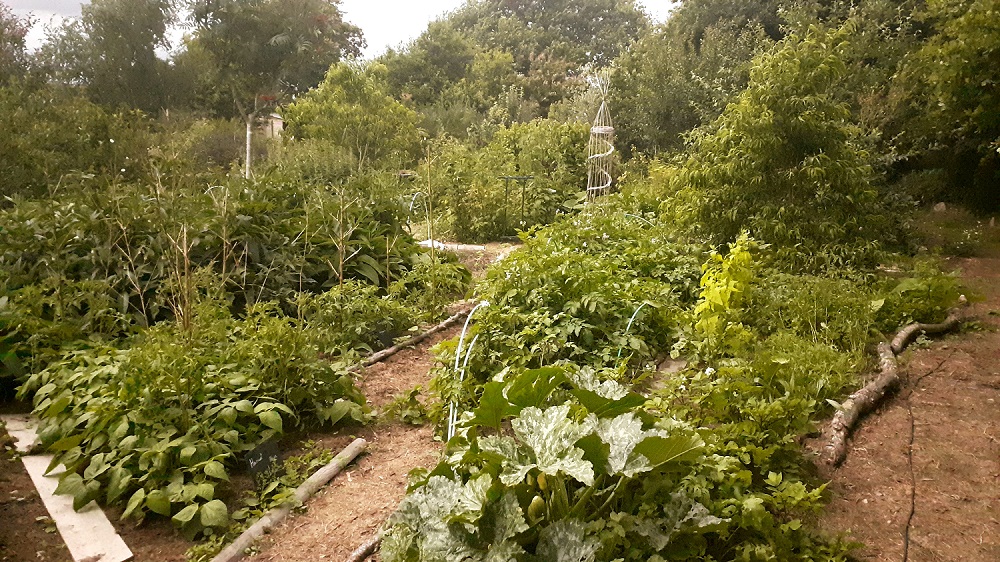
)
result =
(453, 407)
(629, 326)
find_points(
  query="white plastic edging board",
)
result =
(22, 428)
(88, 534)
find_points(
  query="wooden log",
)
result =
(860, 403)
(867, 398)
(237, 548)
(366, 549)
(386, 353)
(907, 334)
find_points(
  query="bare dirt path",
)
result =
(353, 507)
(922, 479)
(26, 532)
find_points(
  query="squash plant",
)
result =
(553, 465)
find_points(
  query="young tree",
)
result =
(261, 51)
(353, 109)
(785, 162)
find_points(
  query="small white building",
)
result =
(272, 125)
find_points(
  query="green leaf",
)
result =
(134, 503)
(336, 412)
(533, 386)
(185, 515)
(158, 502)
(622, 434)
(566, 541)
(205, 490)
(83, 492)
(96, 467)
(119, 479)
(214, 514)
(215, 469)
(672, 449)
(57, 406)
(595, 451)
(605, 407)
(70, 484)
(369, 273)
(503, 520)
(271, 419)
(128, 443)
(552, 436)
(187, 454)
(228, 416)
(66, 443)
(493, 407)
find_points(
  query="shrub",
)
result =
(55, 133)
(93, 262)
(484, 207)
(159, 425)
(785, 163)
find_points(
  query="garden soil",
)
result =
(353, 507)
(26, 532)
(921, 482)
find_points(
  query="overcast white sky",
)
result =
(386, 23)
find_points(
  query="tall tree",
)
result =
(542, 48)
(438, 58)
(261, 51)
(684, 73)
(579, 31)
(111, 50)
(13, 55)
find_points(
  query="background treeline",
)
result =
(921, 81)
(921, 77)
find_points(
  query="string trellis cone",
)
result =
(600, 149)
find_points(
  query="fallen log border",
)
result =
(868, 397)
(238, 547)
(366, 549)
(388, 352)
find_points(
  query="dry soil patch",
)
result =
(949, 474)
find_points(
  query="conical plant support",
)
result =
(600, 162)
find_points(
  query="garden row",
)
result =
(163, 332)
(573, 445)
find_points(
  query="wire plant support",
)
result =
(629, 327)
(460, 371)
(600, 149)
